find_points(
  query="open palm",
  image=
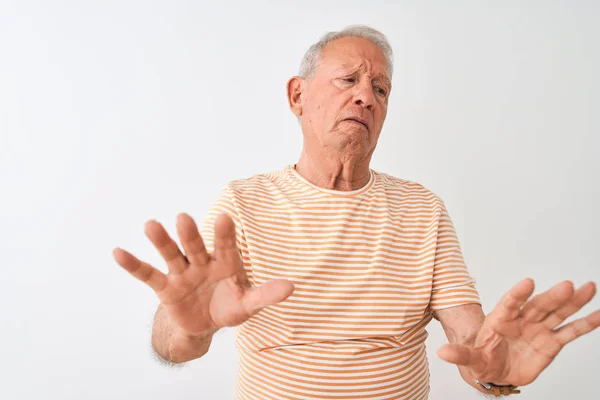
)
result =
(520, 338)
(202, 292)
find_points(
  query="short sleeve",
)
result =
(223, 205)
(452, 283)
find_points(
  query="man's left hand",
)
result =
(520, 338)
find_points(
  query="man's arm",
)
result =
(173, 346)
(461, 325)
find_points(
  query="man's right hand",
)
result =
(204, 292)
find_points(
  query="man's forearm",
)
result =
(175, 346)
(461, 325)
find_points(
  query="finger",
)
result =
(192, 242)
(269, 293)
(577, 328)
(462, 355)
(581, 297)
(166, 246)
(541, 305)
(141, 270)
(225, 239)
(509, 306)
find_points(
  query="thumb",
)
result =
(460, 355)
(269, 293)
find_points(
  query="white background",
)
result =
(115, 112)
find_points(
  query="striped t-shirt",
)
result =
(369, 266)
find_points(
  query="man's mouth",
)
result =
(360, 121)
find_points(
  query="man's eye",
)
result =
(381, 91)
(349, 80)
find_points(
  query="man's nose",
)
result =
(364, 96)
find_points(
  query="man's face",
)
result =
(345, 104)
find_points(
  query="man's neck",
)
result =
(334, 174)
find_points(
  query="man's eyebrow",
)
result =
(381, 77)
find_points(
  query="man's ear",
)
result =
(294, 94)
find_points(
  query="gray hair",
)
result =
(312, 56)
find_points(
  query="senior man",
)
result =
(331, 270)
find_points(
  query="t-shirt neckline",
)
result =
(349, 193)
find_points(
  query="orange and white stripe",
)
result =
(369, 266)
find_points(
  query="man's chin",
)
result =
(356, 131)
(353, 143)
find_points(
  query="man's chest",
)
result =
(369, 263)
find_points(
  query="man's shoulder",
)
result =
(405, 187)
(258, 182)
